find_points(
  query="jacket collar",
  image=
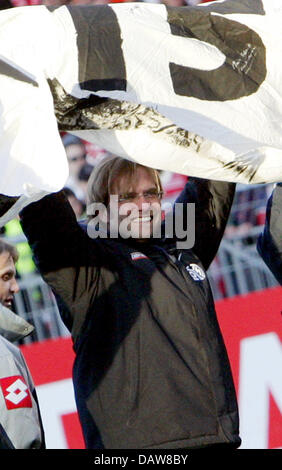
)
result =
(12, 326)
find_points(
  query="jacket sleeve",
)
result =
(269, 243)
(5, 442)
(64, 254)
(213, 201)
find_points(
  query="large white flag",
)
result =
(194, 90)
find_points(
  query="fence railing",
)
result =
(238, 268)
(36, 303)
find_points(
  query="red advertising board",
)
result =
(252, 330)
(251, 327)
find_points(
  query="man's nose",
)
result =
(142, 202)
(14, 288)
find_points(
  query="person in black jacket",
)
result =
(269, 243)
(151, 370)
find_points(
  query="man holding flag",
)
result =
(151, 369)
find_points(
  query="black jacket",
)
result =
(151, 369)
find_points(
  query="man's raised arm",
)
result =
(64, 254)
(53, 233)
(213, 201)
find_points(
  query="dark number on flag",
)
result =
(244, 68)
(98, 31)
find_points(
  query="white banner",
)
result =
(193, 90)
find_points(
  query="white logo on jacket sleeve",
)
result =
(196, 272)
(16, 392)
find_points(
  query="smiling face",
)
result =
(8, 283)
(139, 204)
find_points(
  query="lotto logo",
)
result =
(15, 392)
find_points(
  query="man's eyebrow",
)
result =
(7, 271)
(135, 192)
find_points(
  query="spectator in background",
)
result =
(76, 155)
(83, 177)
(82, 157)
(248, 211)
(21, 426)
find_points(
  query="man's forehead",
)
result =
(131, 182)
(6, 262)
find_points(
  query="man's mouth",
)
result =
(8, 302)
(142, 219)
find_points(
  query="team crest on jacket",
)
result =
(16, 393)
(196, 272)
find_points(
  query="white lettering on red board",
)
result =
(56, 399)
(260, 375)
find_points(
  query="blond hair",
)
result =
(107, 173)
